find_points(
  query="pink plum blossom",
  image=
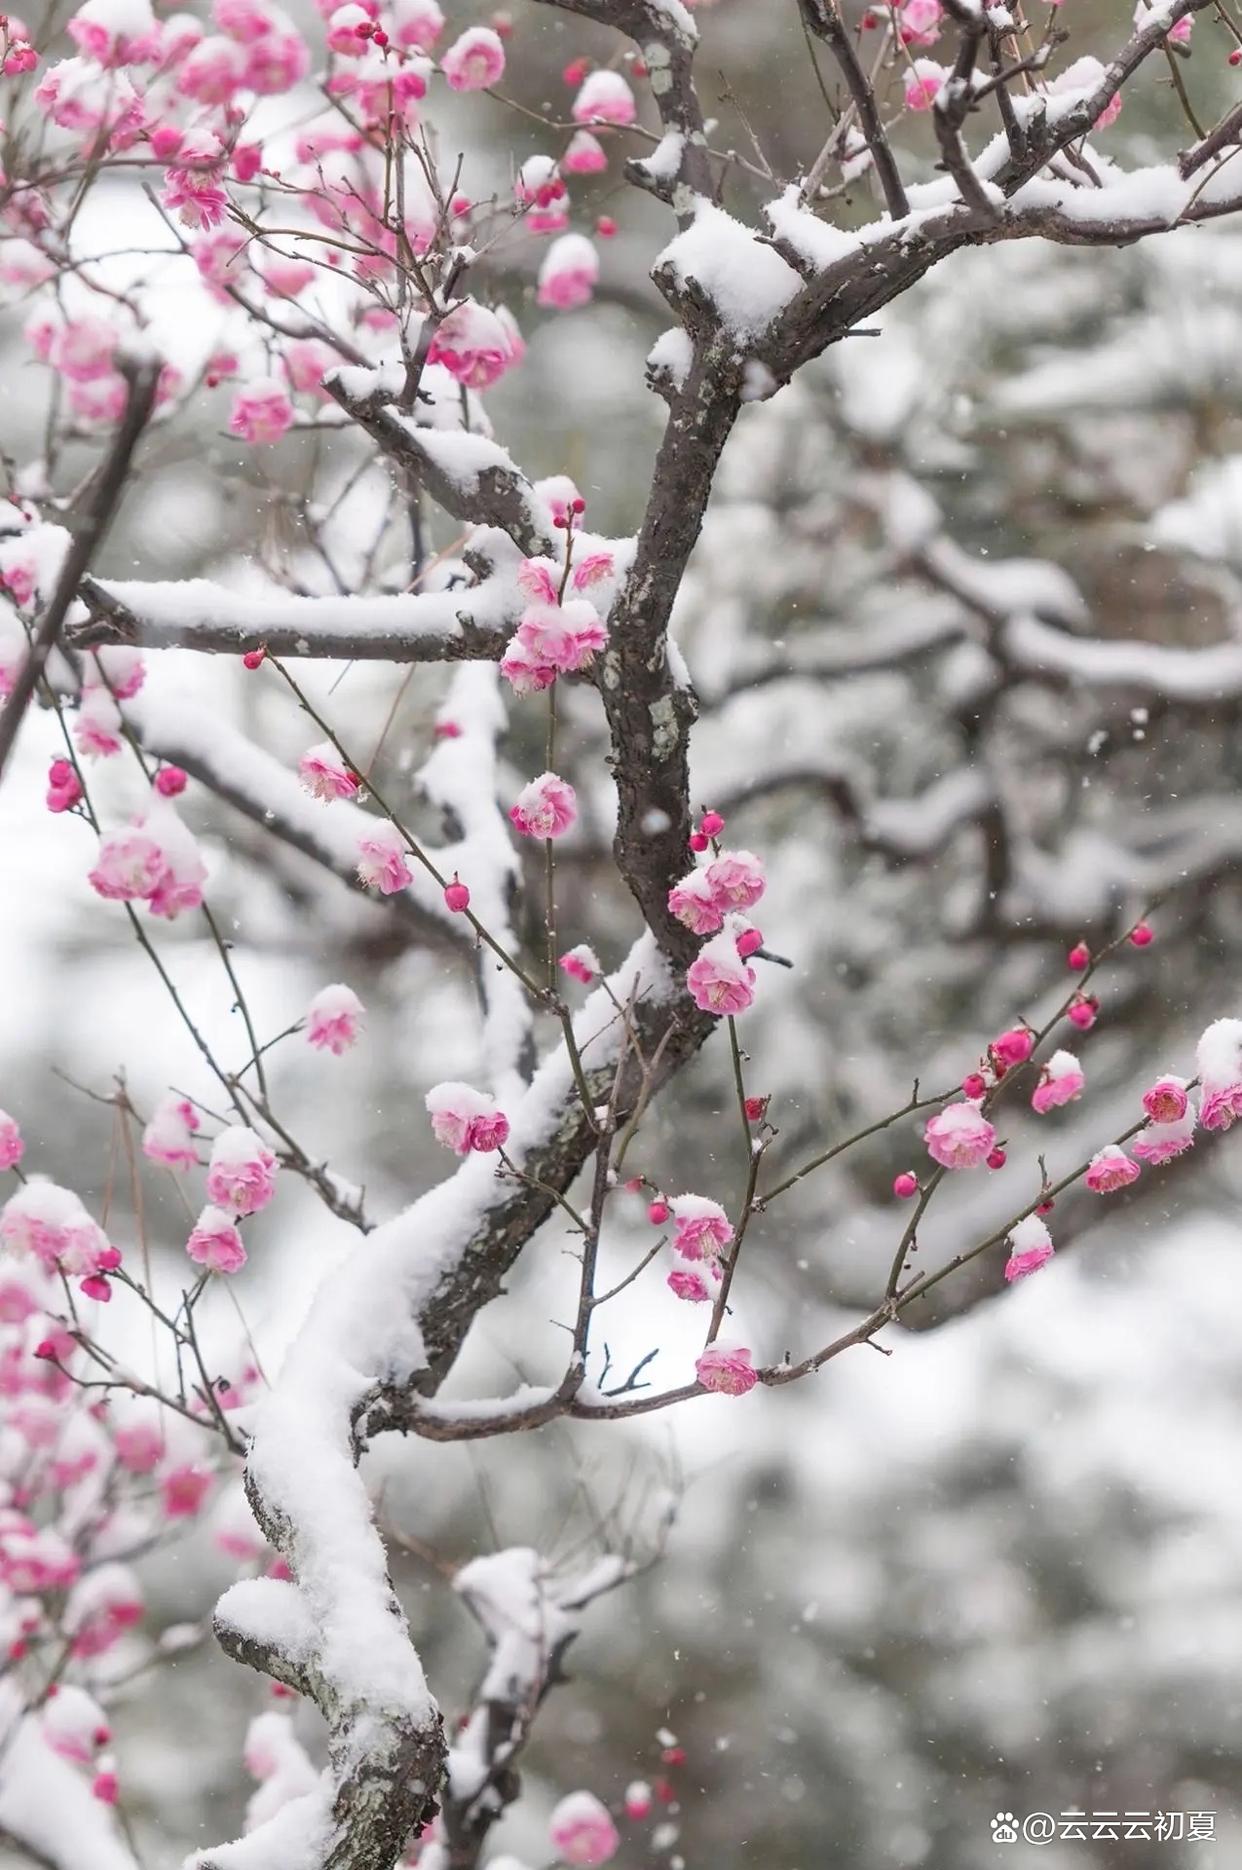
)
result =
(959, 1136)
(922, 82)
(719, 980)
(474, 61)
(195, 197)
(12, 1148)
(464, 1119)
(920, 21)
(736, 879)
(215, 1242)
(726, 1368)
(1219, 1057)
(333, 1019)
(546, 808)
(1162, 1142)
(241, 1174)
(416, 23)
(1030, 1247)
(569, 273)
(169, 1137)
(585, 155)
(582, 1831)
(114, 35)
(1110, 1169)
(1167, 1101)
(97, 729)
(1061, 1081)
(581, 964)
(64, 788)
(701, 1228)
(473, 344)
(50, 1223)
(381, 858)
(118, 668)
(1013, 1047)
(103, 1604)
(604, 97)
(325, 775)
(262, 412)
(84, 349)
(74, 1724)
(688, 1285)
(183, 1489)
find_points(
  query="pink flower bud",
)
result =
(698, 841)
(456, 895)
(658, 1213)
(711, 824)
(974, 1086)
(1083, 1014)
(1079, 957)
(906, 1185)
(755, 1108)
(169, 781)
(996, 1159)
(1141, 935)
(254, 657)
(95, 1286)
(748, 941)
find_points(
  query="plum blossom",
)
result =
(215, 1242)
(581, 964)
(118, 668)
(701, 1228)
(196, 198)
(333, 1019)
(569, 273)
(1110, 1169)
(585, 155)
(262, 412)
(416, 23)
(604, 97)
(1162, 1142)
(84, 349)
(12, 1148)
(922, 82)
(1219, 1058)
(169, 1137)
(74, 1724)
(474, 61)
(474, 345)
(1030, 1247)
(719, 980)
(381, 858)
(241, 1174)
(726, 1368)
(97, 730)
(920, 21)
(688, 1285)
(552, 639)
(325, 774)
(736, 879)
(115, 32)
(49, 1222)
(128, 866)
(582, 1831)
(103, 1604)
(183, 1489)
(1061, 1081)
(959, 1136)
(1013, 1047)
(1167, 1101)
(546, 808)
(464, 1119)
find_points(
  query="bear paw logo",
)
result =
(1003, 1831)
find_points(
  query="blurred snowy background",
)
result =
(1000, 1569)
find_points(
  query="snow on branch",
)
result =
(471, 477)
(383, 1327)
(433, 626)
